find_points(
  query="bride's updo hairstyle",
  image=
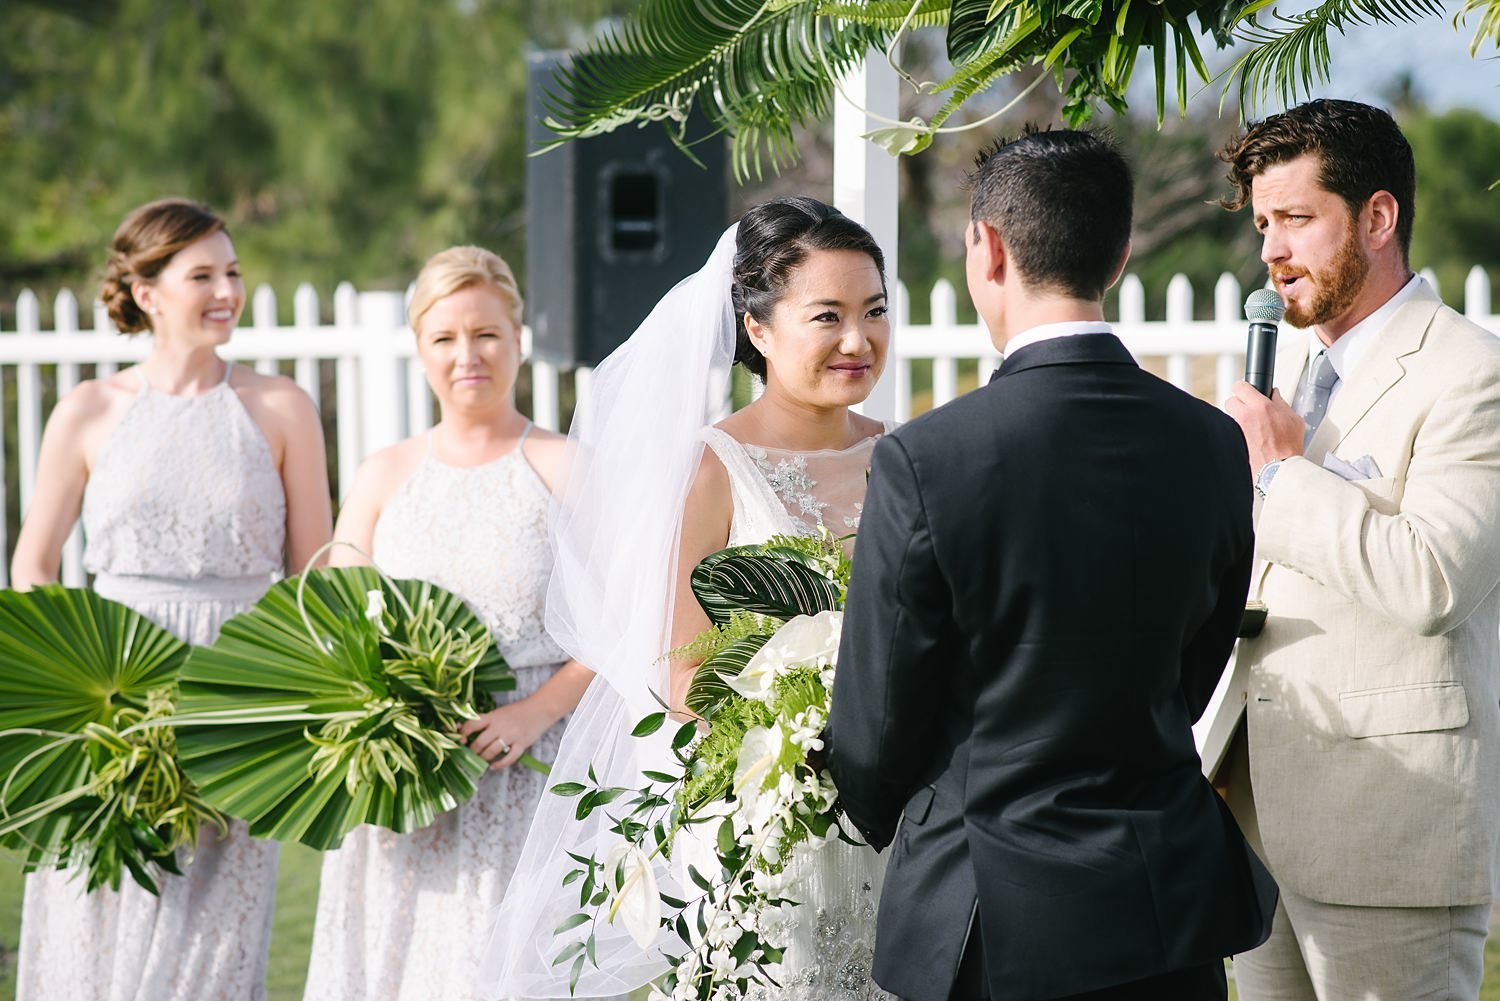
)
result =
(455, 269)
(773, 241)
(144, 244)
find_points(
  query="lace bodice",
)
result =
(778, 492)
(781, 492)
(185, 487)
(441, 526)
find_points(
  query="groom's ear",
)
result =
(990, 251)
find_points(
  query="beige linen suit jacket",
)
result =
(1372, 697)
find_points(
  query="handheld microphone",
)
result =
(1264, 310)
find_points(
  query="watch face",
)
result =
(1267, 473)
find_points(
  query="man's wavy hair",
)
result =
(1360, 151)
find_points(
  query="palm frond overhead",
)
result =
(1292, 54)
(742, 62)
(1489, 23)
(759, 69)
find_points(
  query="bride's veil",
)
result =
(635, 447)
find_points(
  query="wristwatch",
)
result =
(1266, 475)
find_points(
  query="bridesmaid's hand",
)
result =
(503, 734)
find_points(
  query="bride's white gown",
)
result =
(777, 492)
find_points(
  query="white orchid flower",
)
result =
(631, 882)
(806, 641)
(375, 608)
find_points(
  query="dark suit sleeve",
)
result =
(1206, 654)
(889, 688)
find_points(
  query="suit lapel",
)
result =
(1382, 368)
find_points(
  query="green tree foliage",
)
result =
(1457, 219)
(343, 139)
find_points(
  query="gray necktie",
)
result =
(1314, 404)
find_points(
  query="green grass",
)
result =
(291, 936)
(291, 939)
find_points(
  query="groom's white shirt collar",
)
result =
(1048, 331)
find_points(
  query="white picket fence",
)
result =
(381, 396)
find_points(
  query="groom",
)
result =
(1049, 578)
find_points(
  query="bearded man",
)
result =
(1364, 771)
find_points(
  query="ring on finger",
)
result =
(504, 747)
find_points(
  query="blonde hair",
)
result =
(457, 268)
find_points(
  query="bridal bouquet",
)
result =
(743, 799)
(89, 772)
(335, 702)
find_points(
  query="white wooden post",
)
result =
(382, 397)
(866, 188)
(1477, 294)
(351, 447)
(1179, 313)
(1228, 313)
(305, 320)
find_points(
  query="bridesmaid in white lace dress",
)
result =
(198, 481)
(464, 506)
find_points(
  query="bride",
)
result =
(796, 293)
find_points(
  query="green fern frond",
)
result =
(1292, 61)
(716, 638)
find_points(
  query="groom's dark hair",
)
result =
(1061, 201)
(773, 241)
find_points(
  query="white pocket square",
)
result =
(1363, 468)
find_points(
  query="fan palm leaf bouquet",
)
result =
(89, 772)
(743, 799)
(335, 702)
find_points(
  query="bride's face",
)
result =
(470, 348)
(826, 341)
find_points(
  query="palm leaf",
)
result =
(71, 663)
(710, 687)
(252, 703)
(1291, 57)
(890, 14)
(757, 69)
(1489, 23)
(764, 580)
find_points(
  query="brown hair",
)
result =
(1360, 151)
(144, 244)
(457, 268)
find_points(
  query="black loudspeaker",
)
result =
(612, 223)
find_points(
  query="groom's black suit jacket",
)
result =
(1048, 580)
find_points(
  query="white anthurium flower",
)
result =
(807, 640)
(375, 608)
(633, 886)
(759, 751)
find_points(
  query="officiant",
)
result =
(1364, 769)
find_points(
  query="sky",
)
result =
(1367, 60)
(1434, 52)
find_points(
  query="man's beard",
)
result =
(1335, 287)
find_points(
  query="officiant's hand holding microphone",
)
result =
(1273, 431)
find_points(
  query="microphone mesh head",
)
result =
(1264, 306)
